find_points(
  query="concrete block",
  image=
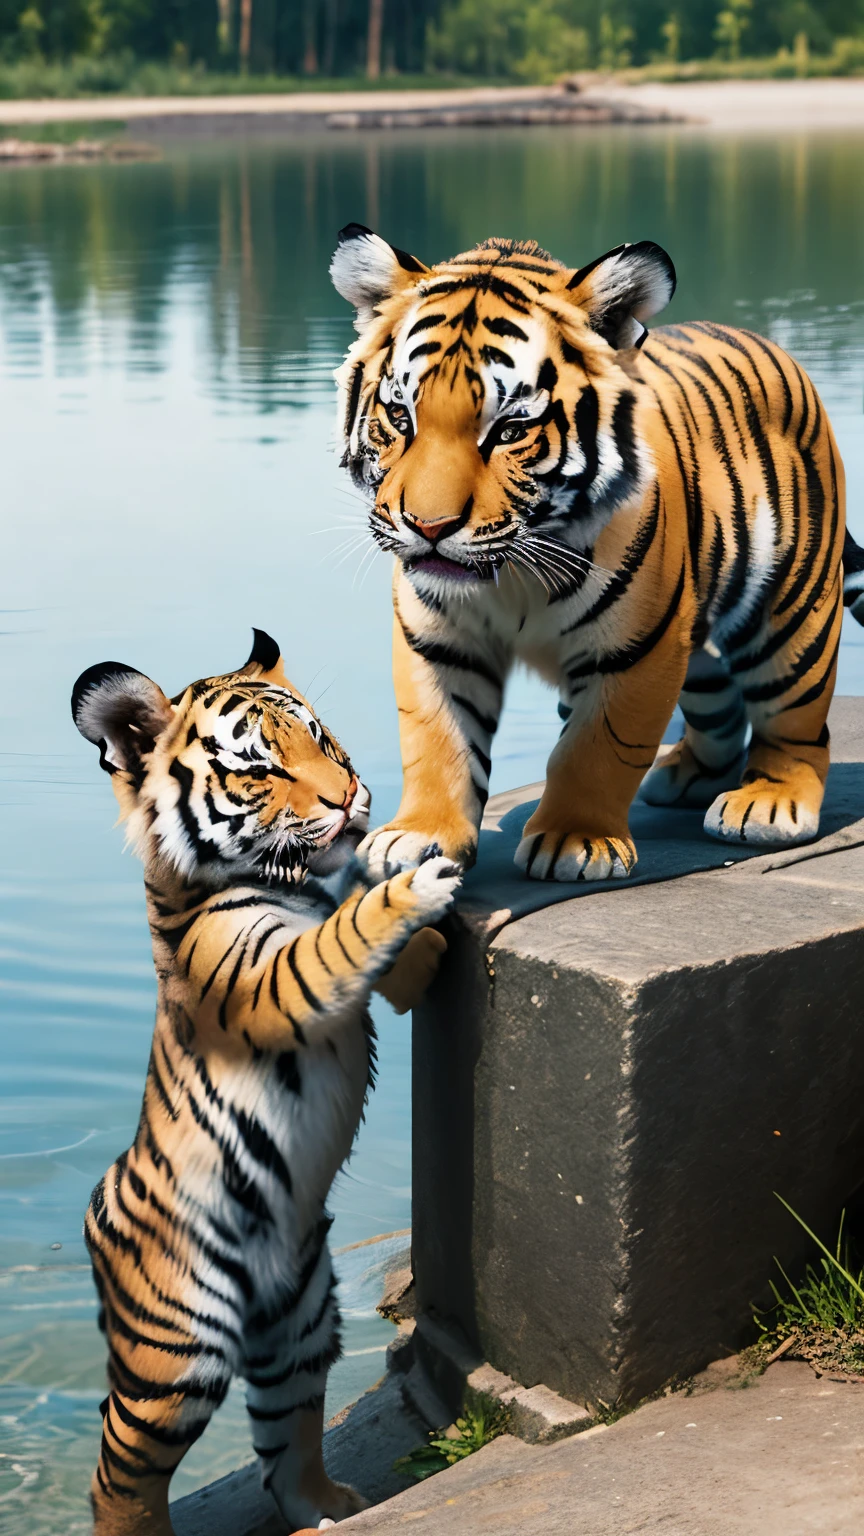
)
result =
(608, 1088)
(446, 1376)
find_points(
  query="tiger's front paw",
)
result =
(392, 848)
(433, 888)
(764, 812)
(569, 856)
(389, 850)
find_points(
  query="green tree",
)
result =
(671, 34)
(731, 25)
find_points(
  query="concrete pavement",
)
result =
(783, 1457)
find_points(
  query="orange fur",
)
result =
(635, 525)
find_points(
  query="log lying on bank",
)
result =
(28, 151)
(546, 111)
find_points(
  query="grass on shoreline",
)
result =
(119, 75)
(122, 75)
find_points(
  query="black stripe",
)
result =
(487, 723)
(499, 326)
(353, 398)
(309, 997)
(217, 968)
(168, 1437)
(809, 657)
(441, 655)
(763, 346)
(204, 850)
(630, 565)
(628, 655)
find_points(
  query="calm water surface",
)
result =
(167, 336)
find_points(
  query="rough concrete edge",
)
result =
(534, 1414)
(446, 1368)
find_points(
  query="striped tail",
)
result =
(853, 577)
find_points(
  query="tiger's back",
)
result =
(763, 480)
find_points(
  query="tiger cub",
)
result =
(637, 524)
(208, 1237)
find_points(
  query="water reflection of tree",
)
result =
(244, 233)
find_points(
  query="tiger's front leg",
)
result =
(580, 829)
(449, 699)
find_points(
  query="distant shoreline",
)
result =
(752, 105)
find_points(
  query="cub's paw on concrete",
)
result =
(679, 778)
(570, 856)
(763, 812)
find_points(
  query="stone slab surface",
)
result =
(784, 1457)
(670, 843)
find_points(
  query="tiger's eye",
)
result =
(513, 432)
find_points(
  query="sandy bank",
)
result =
(735, 104)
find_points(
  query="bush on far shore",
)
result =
(846, 58)
(122, 75)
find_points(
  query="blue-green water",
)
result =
(167, 336)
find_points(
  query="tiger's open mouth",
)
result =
(453, 570)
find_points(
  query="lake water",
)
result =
(167, 337)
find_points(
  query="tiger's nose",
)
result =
(432, 531)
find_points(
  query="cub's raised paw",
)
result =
(762, 812)
(567, 856)
(678, 778)
(385, 852)
(434, 886)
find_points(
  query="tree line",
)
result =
(495, 39)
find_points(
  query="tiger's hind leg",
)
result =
(787, 692)
(288, 1357)
(143, 1442)
(710, 756)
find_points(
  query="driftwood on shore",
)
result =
(28, 151)
(505, 114)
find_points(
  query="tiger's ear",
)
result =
(264, 662)
(366, 270)
(122, 712)
(621, 289)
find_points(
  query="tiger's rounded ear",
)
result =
(264, 661)
(122, 712)
(366, 270)
(620, 290)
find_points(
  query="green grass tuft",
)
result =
(475, 1429)
(821, 1319)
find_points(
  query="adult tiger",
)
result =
(636, 525)
(208, 1236)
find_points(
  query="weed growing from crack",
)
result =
(820, 1320)
(445, 1447)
